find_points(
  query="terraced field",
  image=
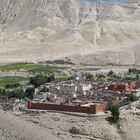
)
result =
(9, 80)
(31, 68)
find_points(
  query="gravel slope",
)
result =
(62, 126)
(14, 128)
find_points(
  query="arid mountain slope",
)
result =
(38, 30)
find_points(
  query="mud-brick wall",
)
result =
(60, 107)
(100, 107)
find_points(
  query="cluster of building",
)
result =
(83, 96)
(78, 95)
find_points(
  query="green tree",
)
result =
(13, 85)
(14, 94)
(137, 77)
(29, 93)
(89, 77)
(41, 79)
(129, 70)
(38, 80)
(114, 112)
(131, 97)
(50, 78)
(110, 73)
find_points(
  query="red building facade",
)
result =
(126, 87)
(92, 109)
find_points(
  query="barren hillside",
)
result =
(39, 30)
(59, 126)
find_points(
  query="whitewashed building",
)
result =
(67, 88)
(74, 88)
(83, 87)
(137, 93)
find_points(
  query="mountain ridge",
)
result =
(57, 29)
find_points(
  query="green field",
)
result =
(10, 80)
(63, 78)
(17, 67)
(46, 69)
(31, 68)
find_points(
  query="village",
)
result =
(85, 96)
(78, 91)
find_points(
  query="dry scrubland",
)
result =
(58, 28)
(58, 126)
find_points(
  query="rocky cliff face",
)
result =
(37, 30)
(34, 13)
